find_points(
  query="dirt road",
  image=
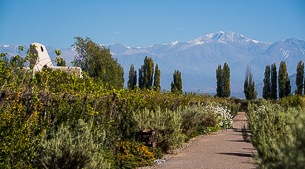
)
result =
(223, 149)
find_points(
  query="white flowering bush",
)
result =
(223, 115)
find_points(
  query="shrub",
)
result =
(131, 154)
(278, 136)
(196, 121)
(73, 148)
(167, 124)
(292, 101)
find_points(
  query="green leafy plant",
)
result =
(73, 148)
(278, 135)
(131, 154)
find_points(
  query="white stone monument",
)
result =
(44, 60)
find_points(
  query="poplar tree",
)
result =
(226, 80)
(141, 77)
(249, 85)
(267, 83)
(219, 88)
(273, 82)
(148, 72)
(300, 78)
(176, 85)
(132, 78)
(283, 81)
(157, 81)
(223, 81)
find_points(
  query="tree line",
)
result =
(275, 84)
(150, 78)
(98, 63)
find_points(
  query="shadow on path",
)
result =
(238, 154)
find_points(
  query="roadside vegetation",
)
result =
(51, 119)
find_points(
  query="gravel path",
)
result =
(223, 149)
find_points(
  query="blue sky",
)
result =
(146, 22)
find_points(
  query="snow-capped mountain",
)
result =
(198, 59)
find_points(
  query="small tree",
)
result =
(60, 61)
(223, 81)
(267, 83)
(97, 61)
(226, 81)
(141, 77)
(157, 81)
(132, 80)
(176, 85)
(148, 72)
(300, 78)
(273, 82)
(249, 85)
(283, 81)
(219, 89)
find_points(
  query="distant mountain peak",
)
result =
(223, 37)
(174, 43)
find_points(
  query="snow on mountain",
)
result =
(198, 59)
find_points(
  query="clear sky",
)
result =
(146, 22)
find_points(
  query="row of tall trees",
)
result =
(149, 78)
(249, 85)
(223, 81)
(276, 85)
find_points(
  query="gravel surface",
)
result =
(220, 150)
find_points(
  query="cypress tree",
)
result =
(219, 89)
(176, 85)
(273, 82)
(226, 80)
(249, 85)
(300, 78)
(148, 72)
(132, 78)
(283, 80)
(288, 86)
(267, 84)
(141, 77)
(157, 81)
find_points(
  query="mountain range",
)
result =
(198, 59)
